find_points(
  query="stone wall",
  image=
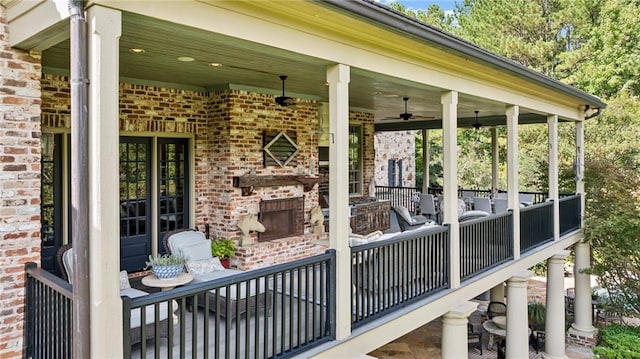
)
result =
(396, 145)
(19, 183)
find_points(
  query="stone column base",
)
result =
(548, 356)
(581, 339)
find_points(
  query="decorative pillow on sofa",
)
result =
(204, 266)
(197, 251)
(124, 280)
(404, 212)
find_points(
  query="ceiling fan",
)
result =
(406, 115)
(284, 100)
(476, 124)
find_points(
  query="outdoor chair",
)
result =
(482, 204)
(495, 309)
(192, 245)
(406, 221)
(427, 206)
(525, 199)
(64, 257)
(474, 339)
(569, 299)
(537, 337)
(500, 205)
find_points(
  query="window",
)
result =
(355, 159)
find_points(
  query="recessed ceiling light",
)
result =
(136, 50)
(185, 59)
(215, 64)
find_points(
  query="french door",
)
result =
(171, 174)
(51, 203)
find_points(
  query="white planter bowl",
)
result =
(500, 321)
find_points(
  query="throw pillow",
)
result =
(124, 280)
(197, 251)
(404, 212)
(204, 266)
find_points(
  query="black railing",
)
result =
(278, 311)
(398, 196)
(485, 243)
(536, 225)
(570, 214)
(48, 321)
(386, 275)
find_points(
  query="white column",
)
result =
(552, 125)
(582, 309)
(512, 174)
(580, 163)
(497, 293)
(449, 101)
(425, 160)
(104, 246)
(338, 77)
(554, 319)
(517, 316)
(495, 161)
(454, 331)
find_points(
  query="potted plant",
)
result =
(166, 266)
(536, 311)
(223, 248)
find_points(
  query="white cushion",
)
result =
(67, 261)
(203, 266)
(180, 239)
(404, 212)
(124, 280)
(215, 275)
(197, 250)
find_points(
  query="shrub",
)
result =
(618, 342)
(223, 248)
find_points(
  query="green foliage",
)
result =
(223, 248)
(618, 342)
(536, 311)
(165, 260)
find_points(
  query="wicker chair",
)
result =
(64, 259)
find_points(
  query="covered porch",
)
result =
(185, 95)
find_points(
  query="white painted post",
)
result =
(552, 124)
(454, 331)
(495, 161)
(582, 308)
(554, 316)
(512, 175)
(449, 101)
(425, 160)
(105, 26)
(517, 316)
(338, 77)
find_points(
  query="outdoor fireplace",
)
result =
(281, 218)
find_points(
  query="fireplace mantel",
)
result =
(248, 182)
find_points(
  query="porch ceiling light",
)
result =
(137, 50)
(215, 64)
(185, 59)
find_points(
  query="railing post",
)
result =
(126, 326)
(29, 310)
(331, 294)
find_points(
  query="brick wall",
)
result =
(19, 183)
(227, 128)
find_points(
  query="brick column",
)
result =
(19, 182)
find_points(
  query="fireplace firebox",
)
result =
(281, 218)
